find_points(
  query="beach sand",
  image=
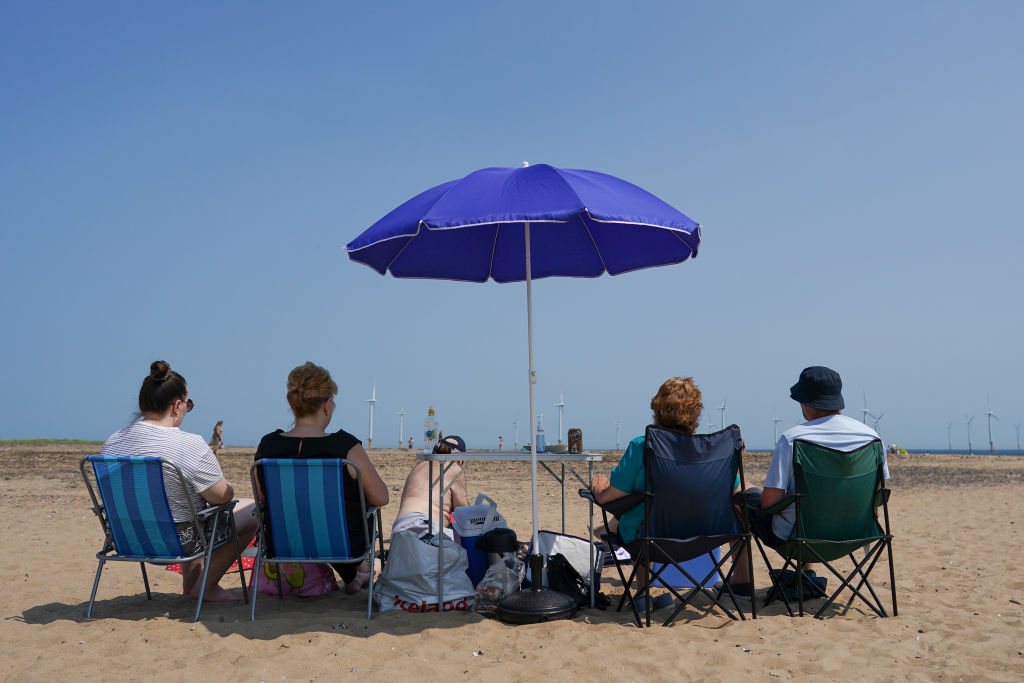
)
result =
(957, 523)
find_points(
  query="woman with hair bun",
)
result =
(311, 393)
(163, 404)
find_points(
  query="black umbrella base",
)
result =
(535, 605)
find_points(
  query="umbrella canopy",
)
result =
(583, 224)
(521, 224)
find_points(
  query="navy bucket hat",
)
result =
(819, 387)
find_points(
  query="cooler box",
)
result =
(468, 523)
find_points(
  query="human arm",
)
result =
(459, 495)
(220, 493)
(374, 487)
(770, 496)
(603, 490)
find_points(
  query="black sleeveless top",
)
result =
(336, 445)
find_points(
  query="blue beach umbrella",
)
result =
(524, 224)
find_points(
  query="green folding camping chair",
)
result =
(836, 504)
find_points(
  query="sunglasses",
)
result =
(189, 405)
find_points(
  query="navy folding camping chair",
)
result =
(304, 514)
(688, 513)
(137, 523)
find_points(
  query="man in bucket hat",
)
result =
(819, 393)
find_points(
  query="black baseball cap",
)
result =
(454, 442)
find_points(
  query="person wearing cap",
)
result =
(819, 393)
(413, 512)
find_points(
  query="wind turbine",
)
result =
(990, 414)
(865, 412)
(722, 408)
(1017, 426)
(561, 406)
(949, 436)
(401, 427)
(515, 436)
(970, 446)
(876, 419)
(775, 429)
(618, 426)
(373, 402)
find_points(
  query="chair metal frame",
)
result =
(798, 543)
(109, 553)
(372, 533)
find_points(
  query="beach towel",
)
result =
(248, 560)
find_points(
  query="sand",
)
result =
(957, 522)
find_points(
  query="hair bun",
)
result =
(159, 370)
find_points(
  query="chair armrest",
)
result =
(214, 509)
(782, 504)
(618, 507)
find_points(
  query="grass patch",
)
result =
(49, 442)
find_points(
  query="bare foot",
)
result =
(214, 594)
(362, 576)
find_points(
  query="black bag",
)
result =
(564, 578)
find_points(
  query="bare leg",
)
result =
(742, 572)
(220, 562)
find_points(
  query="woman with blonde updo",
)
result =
(311, 393)
(163, 404)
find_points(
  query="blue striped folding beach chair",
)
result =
(304, 511)
(137, 523)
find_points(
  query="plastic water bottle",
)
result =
(540, 433)
(430, 430)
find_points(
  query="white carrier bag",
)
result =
(409, 578)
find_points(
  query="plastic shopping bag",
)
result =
(409, 578)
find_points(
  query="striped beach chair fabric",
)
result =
(136, 518)
(305, 512)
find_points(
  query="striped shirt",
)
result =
(188, 451)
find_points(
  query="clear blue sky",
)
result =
(179, 181)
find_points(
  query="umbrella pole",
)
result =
(533, 381)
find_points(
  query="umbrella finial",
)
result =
(525, 164)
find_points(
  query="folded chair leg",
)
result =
(257, 574)
(206, 568)
(95, 585)
(892, 576)
(846, 582)
(373, 547)
(145, 580)
(238, 556)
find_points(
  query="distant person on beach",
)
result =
(677, 405)
(410, 442)
(311, 393)
(163, 404)
(414, 511)
(819, 393)
(501, 443)
(217, 440)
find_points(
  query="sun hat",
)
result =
(819, 387)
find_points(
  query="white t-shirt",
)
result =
(833, 431)
(188, 451)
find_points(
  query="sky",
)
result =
(179, 181)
